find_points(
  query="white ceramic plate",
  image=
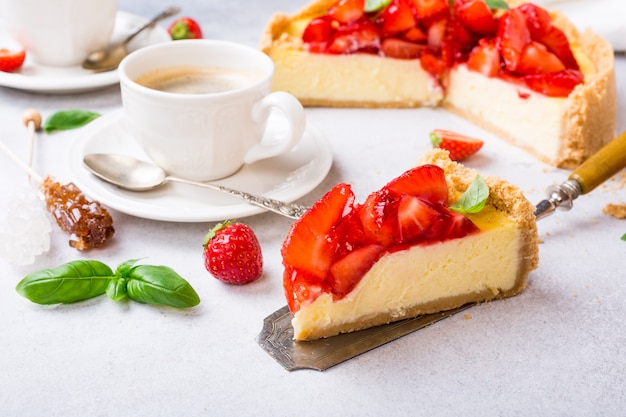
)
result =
(45, 79)
(286, 177)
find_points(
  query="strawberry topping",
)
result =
(336, 242)
(511, 44)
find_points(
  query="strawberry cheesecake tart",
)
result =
(526, 74)
(433, 239)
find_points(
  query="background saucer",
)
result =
(45, 79)
(286, 177)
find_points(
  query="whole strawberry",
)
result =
(185, 28)
(232, 253)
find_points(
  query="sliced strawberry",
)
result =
(347, 11)
(301, 288)
(432, 63)
(459, 146)
(349, 234)
(431, 9)
(378, 215)
(437, 32)
(427, 182)
(415, 34)
(360, 36)
(536, 59)
(485, 58)
(538, 19)
(450, 225)
(557, 43)
(476, 16)
(513, 36)
(397, 48)
(348, 271)
(307, 246)
(415, 216)
(457, 43)
(319, 30)
(541, 30)
(397, 17)
(555, 84)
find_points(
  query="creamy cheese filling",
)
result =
(532, 121)
(358, 78)
(421, 274)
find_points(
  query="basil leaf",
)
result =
(375, 5)
(67, 283)
(160, 285)
(624, 238)
(68, 119)
(497, 4)
(116, 289)
(474, 198)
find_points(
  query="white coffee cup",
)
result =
(59, 32)
(206, 135)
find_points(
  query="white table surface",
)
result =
(558, 349)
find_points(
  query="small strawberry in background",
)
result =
(459, 146)
(185, 28)
(11, 60)
(232, 253)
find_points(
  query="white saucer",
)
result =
(45, 79)
(286, 177)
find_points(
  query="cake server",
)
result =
(276, 337)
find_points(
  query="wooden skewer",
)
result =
(32, 120)
(21, 163)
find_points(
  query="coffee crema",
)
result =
(197, 79)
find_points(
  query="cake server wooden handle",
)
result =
(605, 163)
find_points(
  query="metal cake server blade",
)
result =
(276, 337)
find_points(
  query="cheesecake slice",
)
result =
(421, 244)
(548, 88)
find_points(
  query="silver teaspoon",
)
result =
(109, 58)
(136, 175)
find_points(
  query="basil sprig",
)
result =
(474, 198)
(68, 119)
(375, 5)
(497, 4)
(84, 279)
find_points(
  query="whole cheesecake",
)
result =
(562, 113)
(416, 246)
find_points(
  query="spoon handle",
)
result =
(291, 210)
(170, 11)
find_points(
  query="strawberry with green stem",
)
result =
(185, 28)
(232, 253)
(459, 146)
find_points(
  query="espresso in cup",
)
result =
(200, 108)
(198, 80)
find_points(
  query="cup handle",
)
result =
(292, 112)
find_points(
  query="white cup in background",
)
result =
(199, 108)
(59, 32)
